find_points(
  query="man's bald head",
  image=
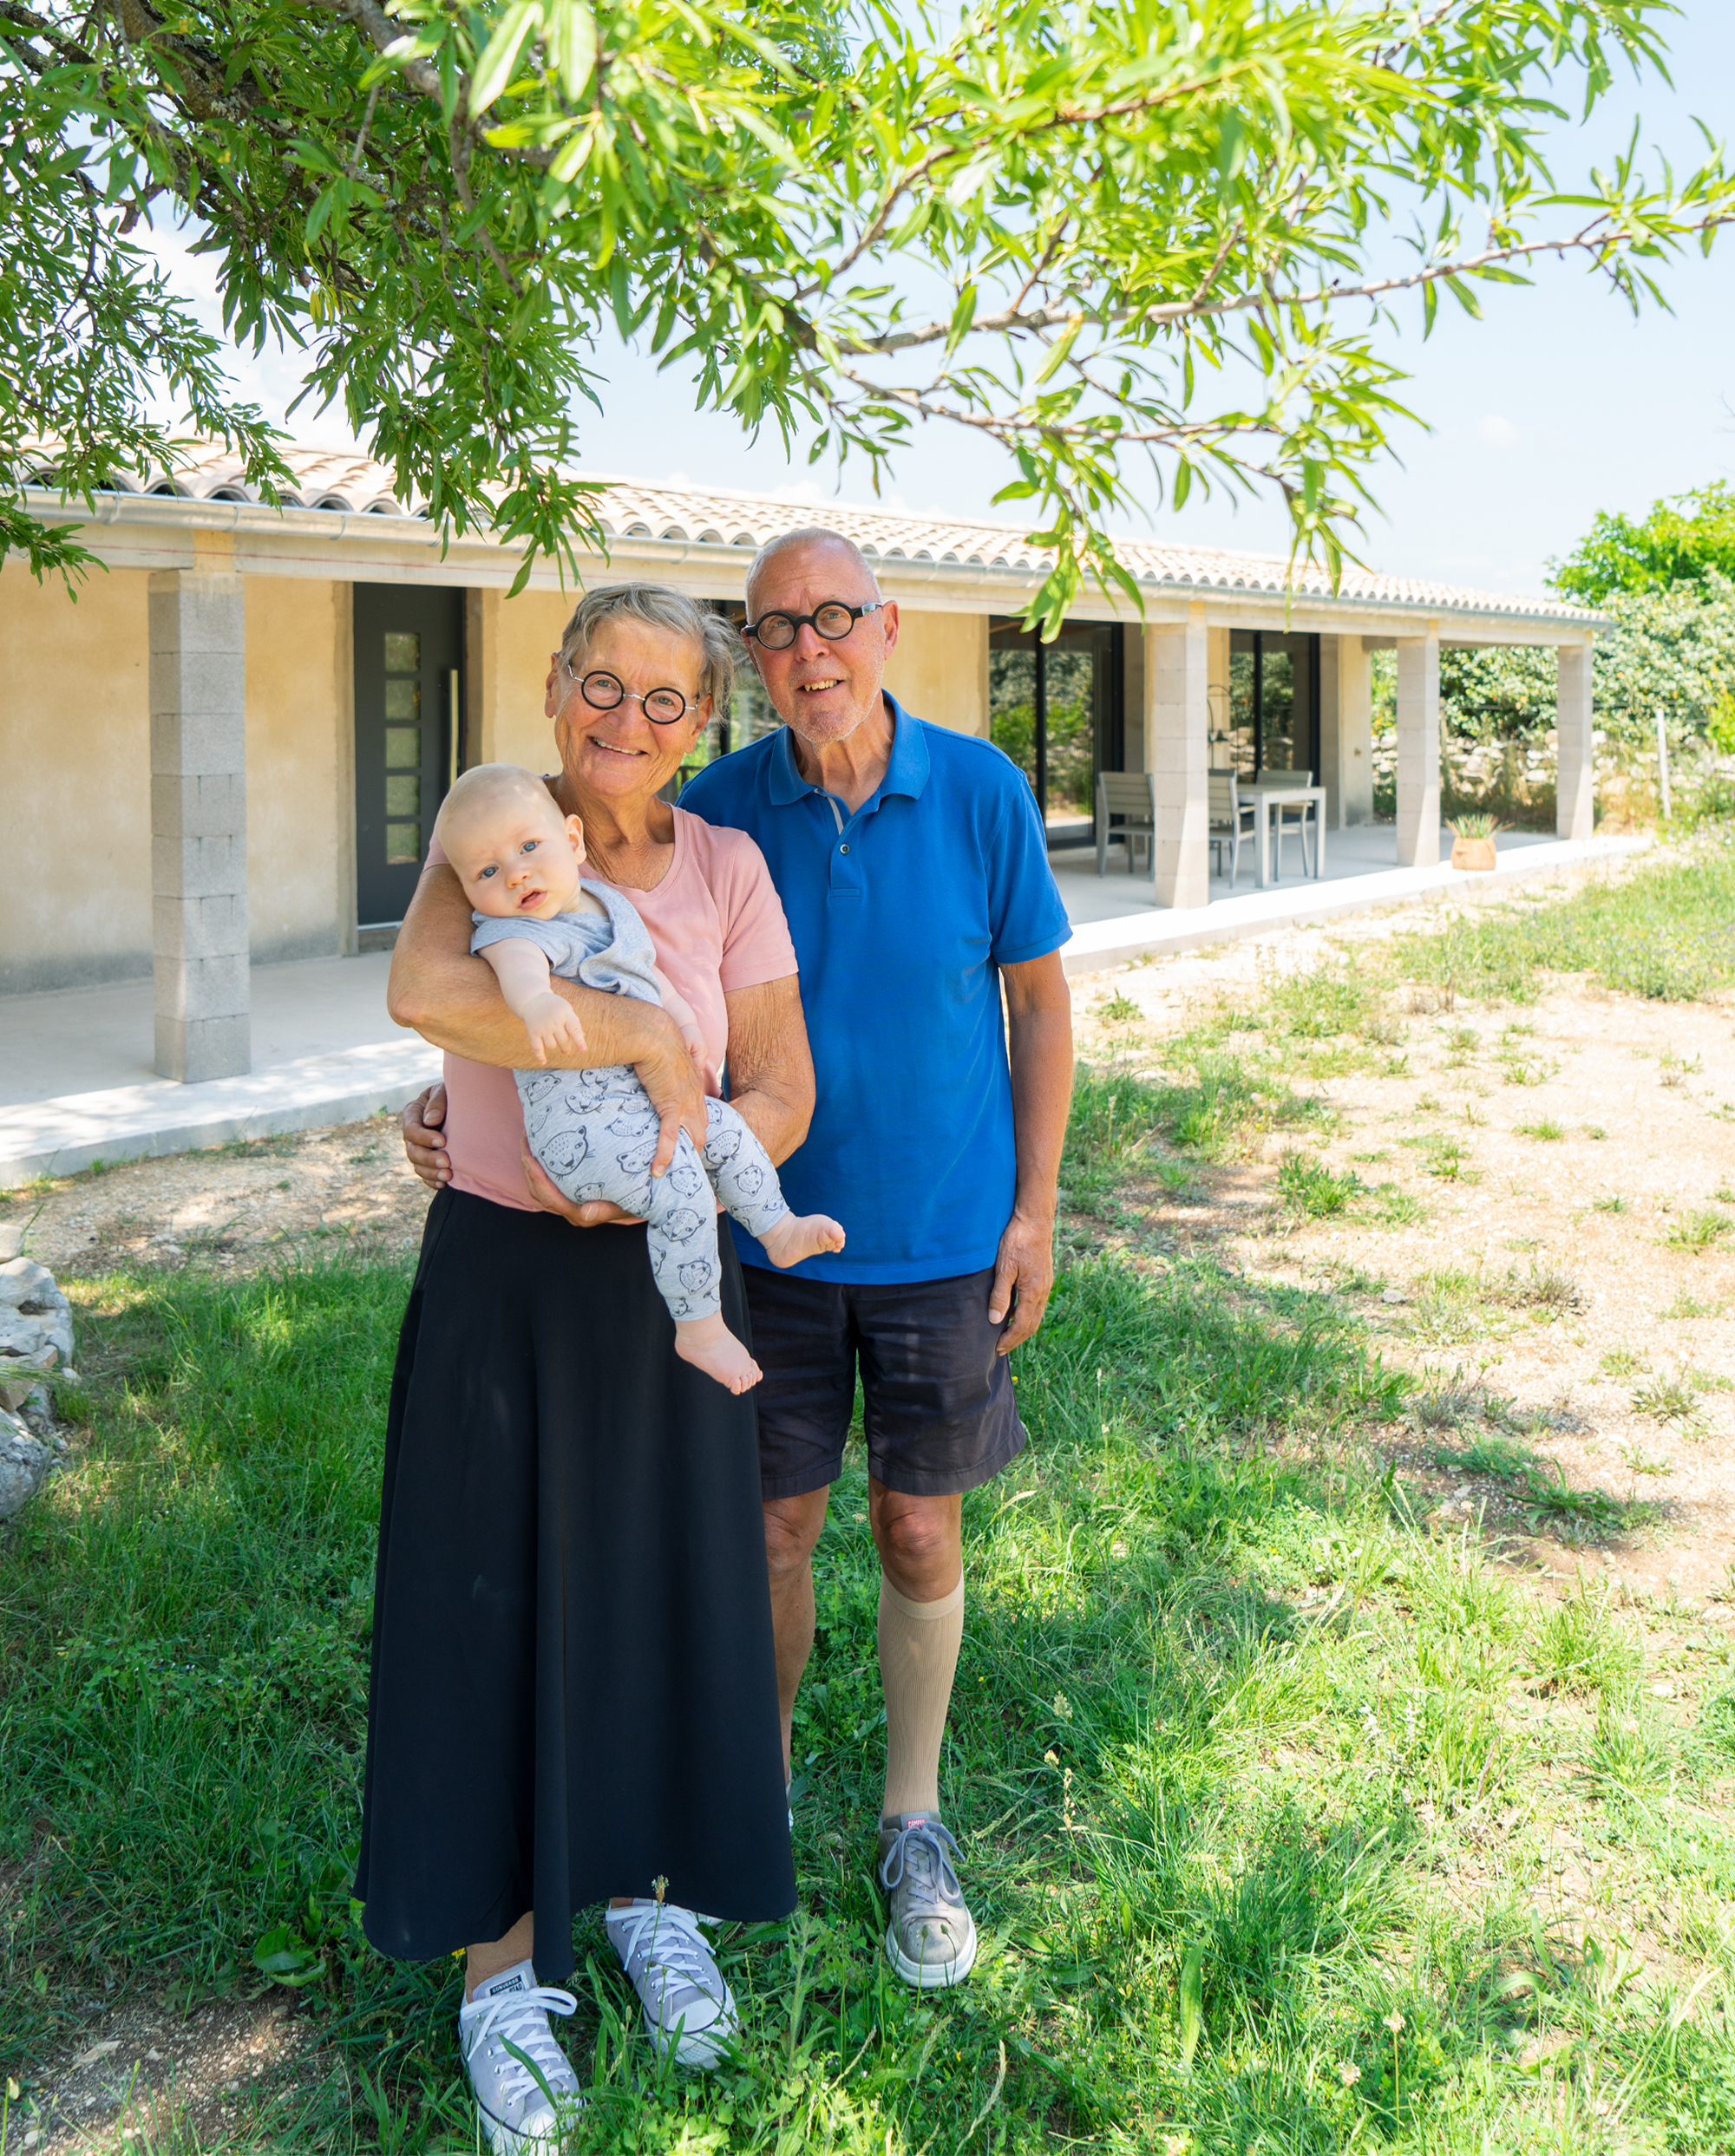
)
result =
(822, 687)
(814, 544)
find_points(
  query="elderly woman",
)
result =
(574, 1692)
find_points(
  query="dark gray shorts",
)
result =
(941, 1416)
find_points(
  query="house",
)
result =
(247, 720)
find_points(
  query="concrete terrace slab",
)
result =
(77, 1083)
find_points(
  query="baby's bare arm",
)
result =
(521, 968)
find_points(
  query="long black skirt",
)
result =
(573, 1690)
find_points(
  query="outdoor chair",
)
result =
(1305, 815)
(1230, 821)
(1127, 801)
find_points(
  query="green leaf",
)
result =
(500, 55)
(1192, 2002)
(286, 1957)
(962, 315)
(1057, 355)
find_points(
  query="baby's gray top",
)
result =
(615, 955)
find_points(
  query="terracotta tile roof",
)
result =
(324, 479)
(631, 508)
(347, 479)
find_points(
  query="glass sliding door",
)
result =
(1273, 705)
(1057, 710)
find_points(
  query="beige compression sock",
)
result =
(917, 1655)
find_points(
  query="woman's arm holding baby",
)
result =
(771, 1065)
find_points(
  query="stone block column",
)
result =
(199, 825)
(1346, 730)
(1418, 750)
(1575, 717)
(1176, 753)
(1217, 687)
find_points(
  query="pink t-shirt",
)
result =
(717, 923)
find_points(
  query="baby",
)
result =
(595, 1131)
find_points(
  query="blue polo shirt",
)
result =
(902, 915)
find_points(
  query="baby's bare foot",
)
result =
(800, 1235)
(709, 1345)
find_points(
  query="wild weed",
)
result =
(1578, 1648)
(1309, 1187)
(1698, 1229)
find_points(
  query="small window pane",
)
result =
(404, 749)
(402, 653)
(402, 843)
(403, 699)
(403, 795)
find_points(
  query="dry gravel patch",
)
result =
(1564, 1167)
(236, 1207)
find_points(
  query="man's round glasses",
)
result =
(602, 692)
(833, 621)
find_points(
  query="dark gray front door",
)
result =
(409, 656)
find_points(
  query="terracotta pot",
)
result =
(1473, 854)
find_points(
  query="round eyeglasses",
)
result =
(602, 692)
(833, 621)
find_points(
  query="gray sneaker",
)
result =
(688, 2007)
(931, 1940)
(525, 2089)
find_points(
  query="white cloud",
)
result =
(1497, 432)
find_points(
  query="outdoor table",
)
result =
(1262, 798)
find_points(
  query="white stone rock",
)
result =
(24, 1464)
(35, 1318)
(11, 1240)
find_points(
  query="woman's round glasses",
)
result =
(833, 621)
(602, 692)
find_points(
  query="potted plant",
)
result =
(1473, 840)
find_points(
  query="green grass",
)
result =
(1698, 1229)
(1179, 1940)
(1316, 1192)
(1661, 933)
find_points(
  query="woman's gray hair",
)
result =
(660, 606)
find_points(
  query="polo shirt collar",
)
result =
(905, 773)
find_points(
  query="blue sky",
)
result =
(1557, 404)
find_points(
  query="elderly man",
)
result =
(912, 864)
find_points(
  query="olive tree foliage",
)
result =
(1144, 247)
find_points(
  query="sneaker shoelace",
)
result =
(675, 1952)
(922, 1851)
(520, 2020)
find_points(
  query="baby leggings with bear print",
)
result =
(595, 1131)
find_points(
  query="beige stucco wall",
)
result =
(506, 647)
(939, 670)
(300, 822)
(74, 724)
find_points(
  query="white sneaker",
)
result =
(525, 2089)
(688, 2007)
